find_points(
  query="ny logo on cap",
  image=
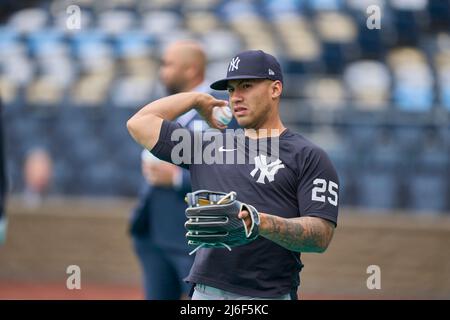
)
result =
(234, 64)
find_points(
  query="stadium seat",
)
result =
(199, 5)
(368, 92)
(411, 97)
(15, 64)
(378, 176)
(363, 137)
(133, 43)
(408, 24)
(439, 12)
(160, 22)
(362, 5)
(409, 138)
(132, 91)
(221, 44)
(294, 28)
(282, 6)
(442, 67)
(29, 20)
(378, 189)
(157, 5)
(428, 192)
(89, 43)
(325, 5)
(325, 93)
(370, 41)
(345, 165)
(338, 33)
(201, 22)
(45, 91)
(413, 79)
(116, 21)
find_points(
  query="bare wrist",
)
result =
(199, 99)
(262, 222)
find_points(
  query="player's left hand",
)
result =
(218, 219)
(246, 217)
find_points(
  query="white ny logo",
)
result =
(267, 170)
(234, 64)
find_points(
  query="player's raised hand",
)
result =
(204, 106)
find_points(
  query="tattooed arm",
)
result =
(304, 234)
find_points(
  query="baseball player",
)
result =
(288, 197)
(157, 222)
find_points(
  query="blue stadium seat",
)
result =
(335, 56)
(363, 136)
(413, 98)
(445, 95)
(439, 12)
(427, 184)
(281, 6)
(378, 177)
(325, 5)
(40, 40)
(128, 43)
(64, 179)
(233, 9)
(428, 192)
(378, 189)
(345, 165)
(372, 42)
(8, 35)
(409, 138)
(407, 25)
(433, 160)
(299, 67)
(100, 179)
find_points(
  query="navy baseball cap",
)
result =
(251, 64)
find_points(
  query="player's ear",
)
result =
(277, 88)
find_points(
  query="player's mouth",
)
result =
(239, 111)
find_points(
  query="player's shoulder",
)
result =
(298, 143)
(306, 155)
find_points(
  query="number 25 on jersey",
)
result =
(320, 189)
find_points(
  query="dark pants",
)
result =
(163, 270)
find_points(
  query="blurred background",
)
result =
(377, 100)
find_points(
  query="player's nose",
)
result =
(236, 97)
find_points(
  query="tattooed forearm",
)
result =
(305, 234)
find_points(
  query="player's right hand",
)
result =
(204, 106)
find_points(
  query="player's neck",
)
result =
(272, 128)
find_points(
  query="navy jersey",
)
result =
(296, 179)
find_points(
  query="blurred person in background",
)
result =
(3, 185)
(157, 222)
(38, 171)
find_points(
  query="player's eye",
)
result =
(230, 90)
(246, 85)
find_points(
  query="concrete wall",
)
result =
(412, 251)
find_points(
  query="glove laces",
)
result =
(204, 244)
